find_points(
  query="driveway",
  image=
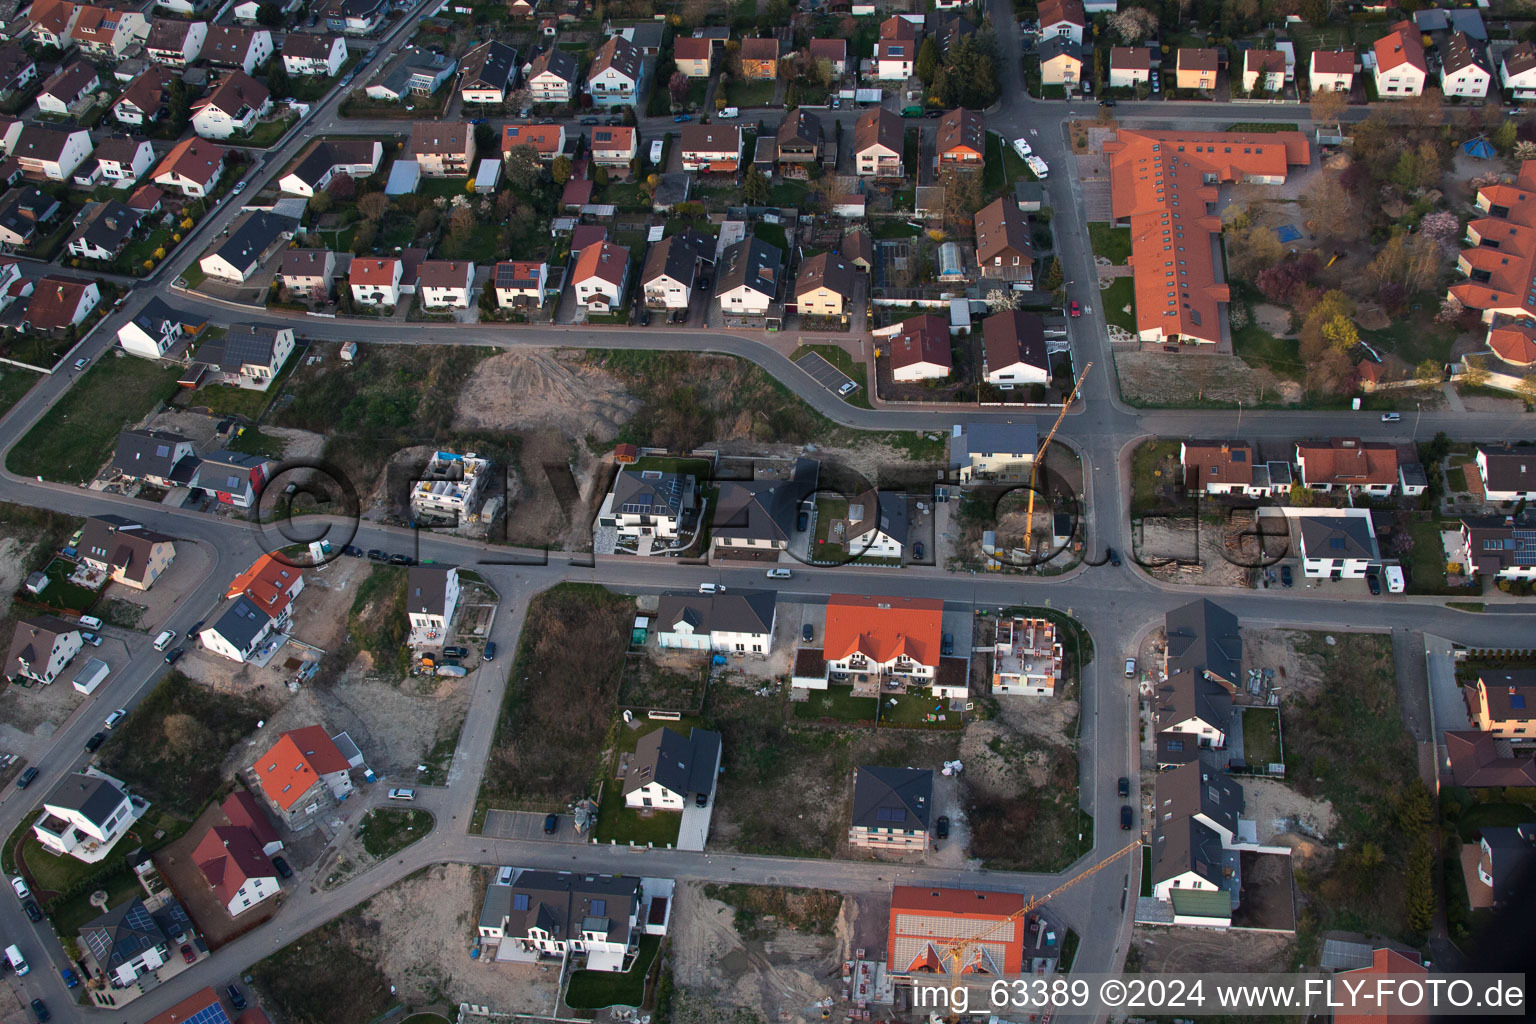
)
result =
(694, 830)
(528, 825)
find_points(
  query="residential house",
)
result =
(920, 350)
(126, 551)
(799, 142)
(887, 644)
(560, 915)
(1191, 710)
(1503, 547)
(760, 58)
(1479, 761)
(250, 356)
(204, 1007)
(376, 282)
(59, 303)
(234, 107)
(1182, 301)
(1501, 259)
(243, 810)
(1503, 702)
(1508, 473)
(962, 139)
(1332, 71)
(1063, 19)
(51, 21)
(308, 274)
(17, 69)
(130, 940)
(668, 769)
(749, 276)
(673, 267)
(878, 525)
(146, 98)
(302, 774)
(1196, 68)
(1349, 464)
(192, 167)
(551, 76)
(1129, 66)
(233, 478)
(650, 503)
(859, 249)
(1465, 70)
(1401, 68)
(1003, 248)
(1013, 349)
(417, 73)
(1230, 467)
(601, 277)
(993, 451)
(946, 28)
(124, 159)
(270, 582)
(86, 815)
(892, 808)
(1263, 71)
(694, 57)
(1187, 872)
(547, 140)
(1202, 639)
(108, 33)
(520, 282)
(751, 517)
(251, 621)
(22, 214)
(1517, 70)
(12, 287)
(1341, 545)
(154, 330)
(878, 145)
(615, 147)
(157, 457)
(1505, 858)
(67, 87)
(443, 149)
(614, 77)
(711, 148)
(825, 286)
(309, 54)
(431, 595)
(896, 50)
(1194, 791)
(833, 51)
(234, 46)
(488, 73)
(927, 921)
(41, 648)
(451, 488)
(175, 43)
(353, 17)
(1061, 62)
(445, 284)
(147, 199)
(233, 865)
(51, 152)
(1407, 971)
(1026, 657)
(249, 246)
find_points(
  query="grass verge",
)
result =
(593, 990)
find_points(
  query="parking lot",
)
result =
(527, 825)
(824, 373)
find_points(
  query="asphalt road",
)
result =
(1115, 604)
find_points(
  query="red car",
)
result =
(1075, 309)
(187, 955)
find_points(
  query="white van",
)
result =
(402, 794)
(164, 640)
(19, 962)
(710, 588)
(730, 113)
(656, 149)
(90, 622)
(1395, 581)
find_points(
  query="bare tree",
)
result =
(1001, 300)
(1133, 24)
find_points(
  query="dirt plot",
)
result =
(668, 680)
(1173, 950)
(779, 972)
(186, 880)
(555, 391)
(30, 715)
(1162, 379)
(1268, 897)
(1276, 809)
(1193, 550)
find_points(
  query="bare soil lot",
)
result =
(1173, 950)
(1163, 379)
(557, 391)
(1268, 892)
(1194, 550)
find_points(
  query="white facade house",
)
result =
(452, 487)
(738, 622)
(86, 816)
(124, 159)
(1517, 70)
(1401, 68)
(232, 108)
(601, 274)
(242, 630)
(51, 152)
(1508, 474)
(614, 77)
(305, 54)
(1335, 543)
(520, 282)
(1062, 18)
(1331, 70)
(233, 864)
(432, 597)
(555, 915)
(669, 768)
(1465, 70)
(551, 77)
(649, 503)
(445, 283)
(376, 282)
(41, 647)
(152, 333)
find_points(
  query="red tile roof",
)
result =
(604, 261)
(1390, 962)
(1264, 61)
(1401, 46)
(1511, 266)
(1051, 12)
(55, 301)
(1348, 461)
(1193, 58)
(883, 627)
(195, 159)
(1514, 343)
(689, 48)
(295, 763)
(924, 921)
(187, 1008)
(1130, 58)
(243, 810)
(383, 272)
(1333, 62)
(268, 583)
(228, 856)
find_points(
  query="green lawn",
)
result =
(828, 509)
(387, 831)
(228, 400)
(836, 702)
(1427, 560)
(1116, 298)
(482, 245)
(1262, 350)
(1261, 736)
(839, 358)
(51, 873)
(887, 229)
(995, 171)
(1146, 460)
(746, 93)
(1113, 243)
(70, 914)
(267, 133)
(80, 432)
(63, 594)
(626, 824)
(1415, 338)
(913, 709)
(14, 384)
(788, 193)
(591, 990)
(1491, 815)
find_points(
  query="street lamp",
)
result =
(1420, 404)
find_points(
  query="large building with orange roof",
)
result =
(888, 644)
(926, 922)
(1383, 962)
(1164, 184)
(270, 582)
(1500, 266)
(303, 773)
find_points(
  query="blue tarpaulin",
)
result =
(1288, 233)
(1478, 147)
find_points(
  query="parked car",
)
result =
(455, 652)
(1125, 817)
(947, 644)
(803, 522)
(197, 627)
(401, 560)
(917, 549)
(22, 892)
(116, 716)
(1106, 103)
(93, 639)
(701, 799)
(1130, 668)
(1374, 582)
(239, 187)
(174, 655)
(236, 997)
(352, 551)
(375, 555)
(589, 120)
(807, 633)
(1074, 309)
(188, 955)
(490, 651)
(283, 870)
(33, 914)
(1125, 786)
(1114, 556)
(1391, 417)
(26, 778)
(165, 639)
(710, 588)
(847, 388)
(71, 979)
(40, 1011)
(1285, 576)
(941, 827)
(779, 574)
(80, 364)
(94, 743)
(551, 824)
(402, 794)
(680, 118)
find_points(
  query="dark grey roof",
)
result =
(1336, 537)
(1055, 46)
(1193, 789)
(684, 765)
(887, 512)
(43, 141)
(142, 453)
(122, 933)
(243, 344)
(1185, 695)
(893, 798)
(1021, 438)
(490, 65)
(156, 316)
(558, 900)
(1462, 52)
(1510, 468)
(242, 622)
(167, 34)
(90, 796)
(1498, 542)
(497, 906)
(426, 589)
(1511, 852)
(764, 510)
(225, 470)
(1203, 639)
(649, 492)
(254, 237)
(677, 256)
(738, 611)
(33, 641)
(26, 208)
(556, 61)
(120, 543)
(1186, 845)
(1412, 474)
(112, 226)
(751, 262)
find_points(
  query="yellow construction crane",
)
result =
(957, 952)
(1029, 520)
